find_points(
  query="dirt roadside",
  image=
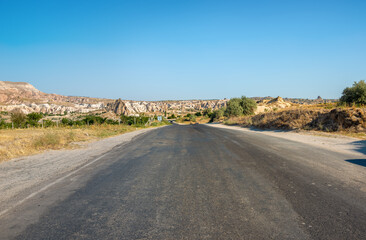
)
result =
(336, 143)
(19, 175)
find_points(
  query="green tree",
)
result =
(217, 114)
(207, 112)
(355, 94)
(172, 116)
(67, 121)
(48, 123)
(248, 105)
(234, 107)
(33, 118)
(18, 119)
(2, 123)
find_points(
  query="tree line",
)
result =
(21, 120)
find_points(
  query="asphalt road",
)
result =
(199, 182)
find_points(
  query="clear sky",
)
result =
(184, 49)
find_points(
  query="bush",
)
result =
(234, 107)
(192, 118)
(207, 112)
(248, 105)
(18, 118)
(33, 118)
(3, 124)
(240, 106)
(48, 140)
(217, 114)
(48, 123)
(131, 120)
(94, 120)
(355, 94)
(111, 122)
(67, 121)
(172, 116)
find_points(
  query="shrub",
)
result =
(132, 120)
(248, 105)
(192, 118)
(207, 112)
(355, 94)
(48, 140)
(33, 118)
(18, 118)
(240, 106)
(94, 120)
(67, 121)
(3, 124)
(172, 116)
(111, 122)
(48, 123)
(217, 114)
(234, 107)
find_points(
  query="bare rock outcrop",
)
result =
(270, 105)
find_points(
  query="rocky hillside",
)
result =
(159, 107)
(17, 92)
(26, 98)
(298, 101)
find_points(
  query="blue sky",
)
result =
(188, 49)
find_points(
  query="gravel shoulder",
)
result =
(22, 177)
(334, 143)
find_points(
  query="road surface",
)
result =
(200, 182)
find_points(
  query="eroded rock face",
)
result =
(14, 92)
(26, 98)
(269, 105)
(136, 107)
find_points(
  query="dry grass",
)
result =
(200, 120)
(23, 142)
(346, 121)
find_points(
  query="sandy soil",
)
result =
(18, 175)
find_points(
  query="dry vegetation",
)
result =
(22, 142)
(349, 121)
(200, 120)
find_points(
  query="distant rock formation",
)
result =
(273, 104)
(158, 107)
(26, 98)
(14, 92)
(319, 100)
